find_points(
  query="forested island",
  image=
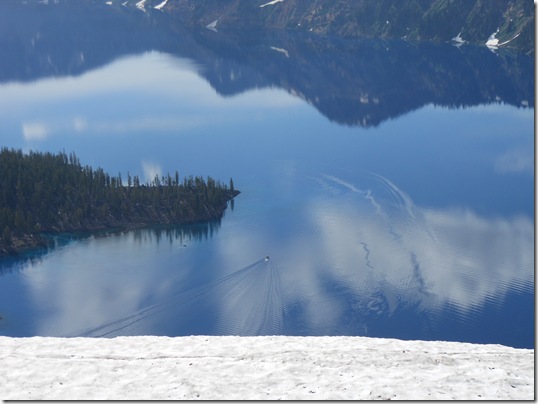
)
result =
(53, 193)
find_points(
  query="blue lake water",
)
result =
(402, 207)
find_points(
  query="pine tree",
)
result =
(43, 192)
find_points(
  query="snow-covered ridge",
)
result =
(256, 368)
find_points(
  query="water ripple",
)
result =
(230, 305)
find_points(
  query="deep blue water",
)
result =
(398, 210)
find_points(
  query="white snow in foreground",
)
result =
(271, 3)
(254, 368)
(161, 5)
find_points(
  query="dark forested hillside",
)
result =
(55, 193)
(474, 21)
(510, 22)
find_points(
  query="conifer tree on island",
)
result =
(54, 193)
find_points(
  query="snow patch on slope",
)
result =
(281, 50)
(141, 5)
(213, 26)
(492, 40)
(458, 38)
(510, 40)
(160, 6)
(271, 3)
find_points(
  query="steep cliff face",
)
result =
(496, 22)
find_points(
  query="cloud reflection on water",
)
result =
(64, 283)
(516, 161)
(382, 254)
(358, 250)
(435, 257)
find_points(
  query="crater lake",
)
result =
(387, 187)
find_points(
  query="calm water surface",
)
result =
(384, 213)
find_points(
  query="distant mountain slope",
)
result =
(496, 22)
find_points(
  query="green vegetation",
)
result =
(54, 193)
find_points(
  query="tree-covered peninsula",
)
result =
(53, 193)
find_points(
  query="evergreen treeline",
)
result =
(45, 192)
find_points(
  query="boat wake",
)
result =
(247, 302)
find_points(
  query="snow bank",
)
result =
(208, 368)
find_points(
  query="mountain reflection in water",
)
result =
(350, 81)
